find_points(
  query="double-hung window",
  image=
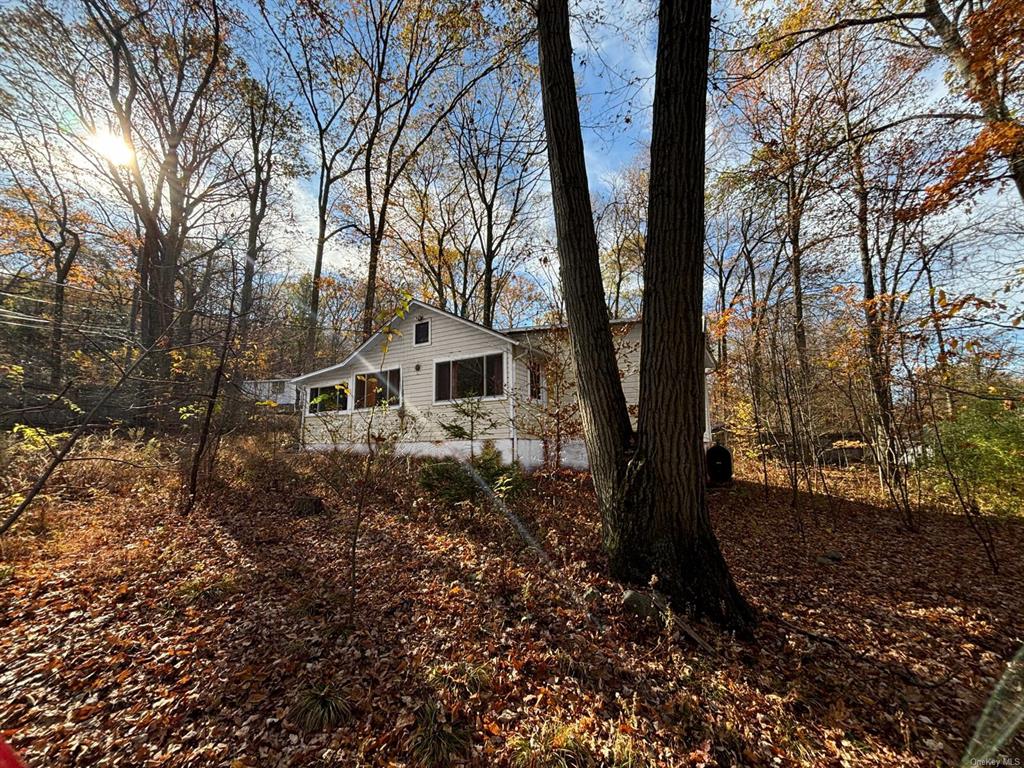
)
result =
(379, 388)
(421, 333)
(536, 380)
(469, 377)
(333, 397)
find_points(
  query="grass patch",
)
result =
(436, 740)
(555, 745)
(320, 708)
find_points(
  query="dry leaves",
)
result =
(132, 637)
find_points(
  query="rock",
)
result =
(306, 506)
(640, 605)
(834, 556)
(822, 560)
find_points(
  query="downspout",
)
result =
(512, 405)
(301, 399)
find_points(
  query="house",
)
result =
(449, 384)
(281, 392)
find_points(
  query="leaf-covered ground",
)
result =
(132, 637)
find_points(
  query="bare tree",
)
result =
(499, 138)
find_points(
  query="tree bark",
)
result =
(679, 546)
(313, 329)
(606, 427)
(794, 223)
(650, 489)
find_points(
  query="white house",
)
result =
(431, 368)
(279, 391)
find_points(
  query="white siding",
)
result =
(418, 418)
(520, 423)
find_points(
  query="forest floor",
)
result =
(130, 636)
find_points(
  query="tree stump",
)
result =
(307, 506)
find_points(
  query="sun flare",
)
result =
(111, 147)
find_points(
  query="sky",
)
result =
(614, 50)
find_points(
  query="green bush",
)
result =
(984, 445)
(454, 482)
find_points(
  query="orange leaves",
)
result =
(971, 168)
(996, 42)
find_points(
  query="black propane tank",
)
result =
(719, 463)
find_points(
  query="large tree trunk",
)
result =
(878, 369)
(489, 292)
(679, 547)
(313, 329)
(606, 427)
(794, 224)
(157, 297)
(651, 494)
(370, 301)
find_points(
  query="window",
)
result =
(277, 388)
(330, 398)
(421, 333)
(379, 388)
(536, 380)
(470, 377)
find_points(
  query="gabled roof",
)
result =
(397, 317)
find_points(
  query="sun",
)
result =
(111, 147)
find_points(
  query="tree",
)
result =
(650, 485)
(46, 195)
(786, 109)
(162, 72)
(416, 62)
(323, 70)
(499, 141)
(621, 227)
(983, 44)
(271, 155)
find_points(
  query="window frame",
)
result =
(536, 368)
(346, 383)
(379, 372)
(489, 353)
(430, 333)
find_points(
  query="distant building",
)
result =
(279, 391)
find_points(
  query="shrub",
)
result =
(320, 708)
(436, 740)
(984, 445)
(454, 482)
(449, 481)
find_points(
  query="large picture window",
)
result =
(469, 377)
(330, 398)
(379, 388)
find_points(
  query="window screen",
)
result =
(535, 381)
